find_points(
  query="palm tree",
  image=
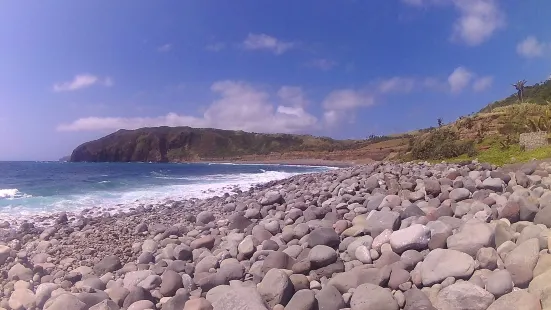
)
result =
(520, 89)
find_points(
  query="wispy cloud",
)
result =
(322, 64)
(478, 19)
(215, 47)
(483, 83)
(459, 79)
(164, 48)
(397, 84)
(240, 106)
(531, 47)
(81, 81)
(268, 43)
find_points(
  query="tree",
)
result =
(520, 89)
(440, 122)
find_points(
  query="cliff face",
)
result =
(183, 144)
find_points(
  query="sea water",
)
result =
(40, 188)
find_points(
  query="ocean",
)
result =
(30, 189)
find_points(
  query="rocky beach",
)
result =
(382, 236)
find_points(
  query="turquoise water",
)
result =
(38, 188)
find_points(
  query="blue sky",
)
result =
(72, 71)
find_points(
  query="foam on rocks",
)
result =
(383, 236)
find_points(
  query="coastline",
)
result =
(298, 162)
(314, 233)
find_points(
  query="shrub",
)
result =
(440, 144)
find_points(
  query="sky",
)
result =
(74, 71)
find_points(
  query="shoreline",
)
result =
(46, 218)
(345, 237)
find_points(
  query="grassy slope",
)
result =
(491, 125)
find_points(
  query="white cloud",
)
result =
(347, 99)
(240, 106)
(483, 83)
(164, 48)
(215, 47)
(81, 81)
(459, 79)
(266, 42)
(478, 19)
(530, 47)
(397, 84)
(292, 95)
(322, 64)
(332, 117)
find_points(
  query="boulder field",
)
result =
(384, 236)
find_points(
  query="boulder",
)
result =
(414, 237)
(463, 295)
(540, 286)
(471, 238)
(20, 272)
(499, 283)
(517, 300)
(22, 299)
(377, 221)
(107, 264)
(521, 261)
(242, 298)
(369, 296)
(302, 300)
(276, 288)
(171, 282)
(442, 263)
(417, 300)
(321, 256)
(458, 194)
(66, 302)
(329, 298)
(204, 217)
(323, 236)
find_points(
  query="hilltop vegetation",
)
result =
(491, 134)
(185, 144)
(539, 93)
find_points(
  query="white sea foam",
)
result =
(116, 201)
(11, 193)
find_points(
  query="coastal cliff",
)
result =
(185, 144)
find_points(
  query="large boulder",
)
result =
(544, 216)
(540, 286)
(414, 237)
(471, 238)
(369, 296)
(107, 264)
(22, 299)
(65, 302)
(521, 261)
(321, 256)
(276, 288)
(329, 298)
(462, 296)
(323, 236)
(442, 263)
(20, 272)
(417, 300)
(377, 221)
(517, 300)
(302, 300)
(242, 298)
(5, 252)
